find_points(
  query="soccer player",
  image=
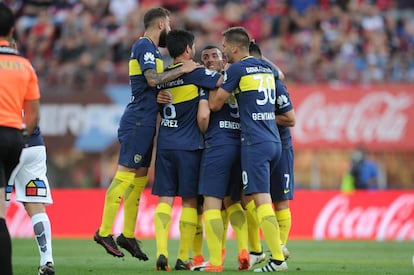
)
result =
(179, 147)
(19, 90)
(136, 133)
(282, 177)
(253, 81)
(33, 190)
(220, 177)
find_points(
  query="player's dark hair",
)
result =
(177, 42)
(255, 50)
(209, 47)
(6, 20)
(153, 14)
(238, 36)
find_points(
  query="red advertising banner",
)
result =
(328, 116)
(375, 215)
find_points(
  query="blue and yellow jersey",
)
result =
(253, 82)
(283, 105)
(224, 125)
(178, 127)
(143, 107)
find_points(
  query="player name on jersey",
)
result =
(172, 123)
(263, 116)
(258, 70)
(225, 124)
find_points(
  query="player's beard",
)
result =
(162, 42)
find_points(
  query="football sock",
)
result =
(225, 218)
(253, 227)
(198, 238)
(188, 227)
(5, 249)
(284, 219)
(113, 198)
(213, 223)
(43, 235)
(270, 228)
(162, 223)
(238, 222)
(131, 205)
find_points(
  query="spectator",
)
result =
(363, 174)
(313, 41)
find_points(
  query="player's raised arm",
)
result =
(153, 78)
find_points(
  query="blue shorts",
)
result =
(176, 173)
(220, 172)
(136, 146)
(282, 179)
(257, 161)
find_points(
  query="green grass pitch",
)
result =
(84, 256)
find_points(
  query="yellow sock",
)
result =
(271, 233)
(284, 219)
(188, 227)
(198, 238)
(113, 197)
(213, 223)
(253, 227)
(131, 204)
(225, 218)
(238, 222)
(162, 222)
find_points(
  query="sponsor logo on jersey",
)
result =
(137, 158)
(36, 188)
(282, 101)
(149, 58)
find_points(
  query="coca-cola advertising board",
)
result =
(373, 215)
(329, 116)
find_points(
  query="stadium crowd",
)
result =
(86, 43)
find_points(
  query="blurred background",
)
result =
(349, 67)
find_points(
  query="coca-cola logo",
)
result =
(338, 219)
(377, 116)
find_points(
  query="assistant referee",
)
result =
(19, 94)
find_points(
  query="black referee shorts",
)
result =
(11, 145)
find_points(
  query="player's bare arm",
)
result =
(287, 119)
(154, 78)
(217, 98)
(203, 115)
